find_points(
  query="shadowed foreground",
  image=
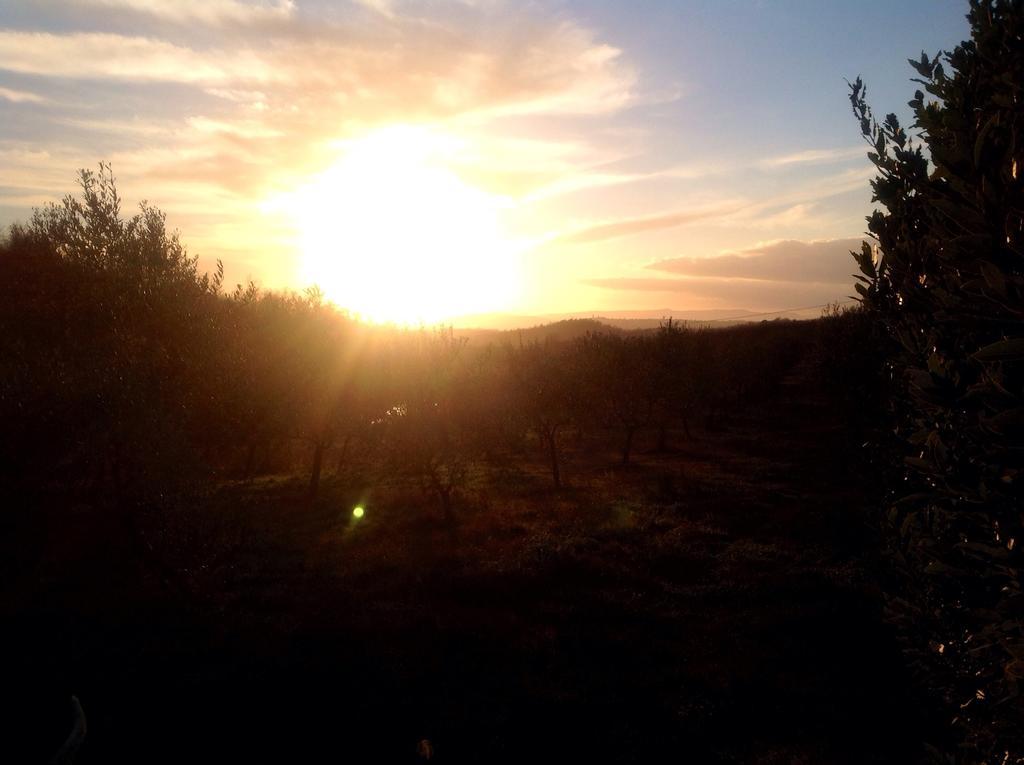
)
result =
(711, 604)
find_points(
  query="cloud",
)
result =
(815, 156)
(774, 276)
(249, 97)
(825, 261)
(210, 109)
(533, 169)
(111, 56)
(794, 207)
(738, 293)
(562, 71)
(210, 12)
(134, 127)
(786, 210)
(20, 96)
(239, 128)
(640, 224)
(535, 68)
(287, 92)
(557, 69)
(580, 181)
(383, 7)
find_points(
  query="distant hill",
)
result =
(627, 320)
(539, 329)
(557, 331)
(506, 321)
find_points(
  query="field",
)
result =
(712, 603)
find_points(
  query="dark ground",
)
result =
(715, 604)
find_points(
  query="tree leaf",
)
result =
(1004, 350)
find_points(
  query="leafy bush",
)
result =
(106, 326)
(949, 287)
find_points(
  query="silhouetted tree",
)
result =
(948, 283)
(107, 329)
(619, 377)
(428, 432)
(680, 381)
(547, 394)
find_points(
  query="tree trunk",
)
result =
(314, 478)
(446, 505)
(627, 448)
(344, 454)
(711, 422)
(662, 446)
(250, 461)
(552, 443)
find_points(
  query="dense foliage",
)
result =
(948, 286)
(130, 379)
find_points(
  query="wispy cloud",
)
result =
(573, 182)
(815, 156)
(135, 127)
(383, 7)
(794, 205)
(743, 293)
(20, 96)
(789, 260)
(212, 12)
(111, 56)
(288, 93)
(265, 94)
(641, 224)
(772, 276)
(211, 106)
(777, 212)
(561, 69)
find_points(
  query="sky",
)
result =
(420, 159)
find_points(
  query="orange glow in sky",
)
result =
(392, 233)
(419, 161)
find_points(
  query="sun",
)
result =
(391, 233)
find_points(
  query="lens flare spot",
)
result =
(358, 511)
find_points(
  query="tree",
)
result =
(108, 381)
(619, 376)
(947, 282)
(428, 433)
(679, 387)
(324, 365)
(547, 393)
(107, 327)
(258, 398)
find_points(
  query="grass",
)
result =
(713, 604)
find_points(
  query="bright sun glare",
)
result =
(391, 233)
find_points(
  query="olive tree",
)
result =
(947, 281)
